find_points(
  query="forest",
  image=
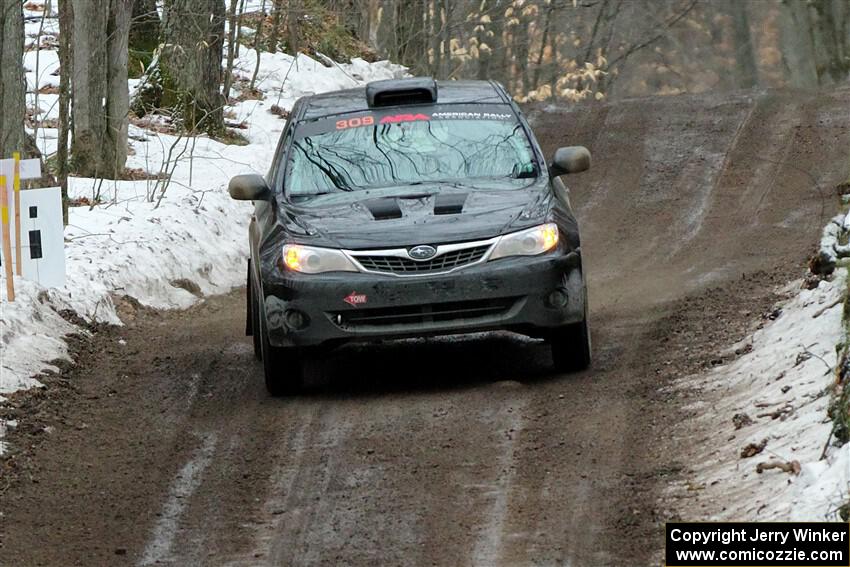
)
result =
(540, 49)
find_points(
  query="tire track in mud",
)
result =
(488, 548)
(447, 451)
(160, 546)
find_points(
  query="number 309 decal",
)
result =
(355, 122)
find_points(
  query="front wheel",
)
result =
(571, 347)
(283, 369)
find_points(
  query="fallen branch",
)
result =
(810, 354)
(778, 413)
(827, 308)
(792, 467)
(753, 449)
(828, 439)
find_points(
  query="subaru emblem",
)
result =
(422, 252)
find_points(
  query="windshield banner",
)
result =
(499, 112)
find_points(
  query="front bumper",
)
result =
(524, 294)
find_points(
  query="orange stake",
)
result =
(16, 187)
(7, 244)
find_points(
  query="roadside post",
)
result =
(7, 243)
(16, 188)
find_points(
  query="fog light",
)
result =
(295, 319)
(558, 299)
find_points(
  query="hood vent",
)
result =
(383, 209)
(449, 203)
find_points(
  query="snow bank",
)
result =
(130, 245)
(779, 392)
(830, 248)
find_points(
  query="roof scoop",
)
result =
(395, 92)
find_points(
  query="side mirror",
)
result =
(572, 159)
(249, 187)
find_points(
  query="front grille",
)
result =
(441, 263)
(423, 315)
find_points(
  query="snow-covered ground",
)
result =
(778, 392)
(130, 244)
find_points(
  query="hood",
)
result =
(419, 215)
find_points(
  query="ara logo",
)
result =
(422, 252)
(354, 299)
(395, 119)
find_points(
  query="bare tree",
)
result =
(437, 23)
(258, 35)
(544, 43)
(797, 50)
(816, 41)
(745, 69)
(274, 32)
(231, 46)
(482, 41)
(832, 37)
(144, 26)
(446, 68)
(293, 41)
(239, 26)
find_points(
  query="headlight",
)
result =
(528, 242)
(312, 260)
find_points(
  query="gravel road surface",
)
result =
(164, 449)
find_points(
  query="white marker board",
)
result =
(42, 231)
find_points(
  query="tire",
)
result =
(571, 350)
(283, 369)
(254, 314)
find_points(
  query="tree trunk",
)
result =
(89, 86)
(231, 47)
(274, 33)
(745, 68)
(830, 21)
(796, 43)
(447, 40)
(544, 43)
(191, 63)
(239, 26)
(436, 33)
(118, 94)
(258, 34)
(99, 87)
(12, 85)
(293, 40)
(66, 21)
(485, 50)
(520, 49)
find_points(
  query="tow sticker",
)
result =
(354, 299)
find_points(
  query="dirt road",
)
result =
(161, 446)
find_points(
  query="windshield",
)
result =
(368, 151)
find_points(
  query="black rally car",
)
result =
(411, 208)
